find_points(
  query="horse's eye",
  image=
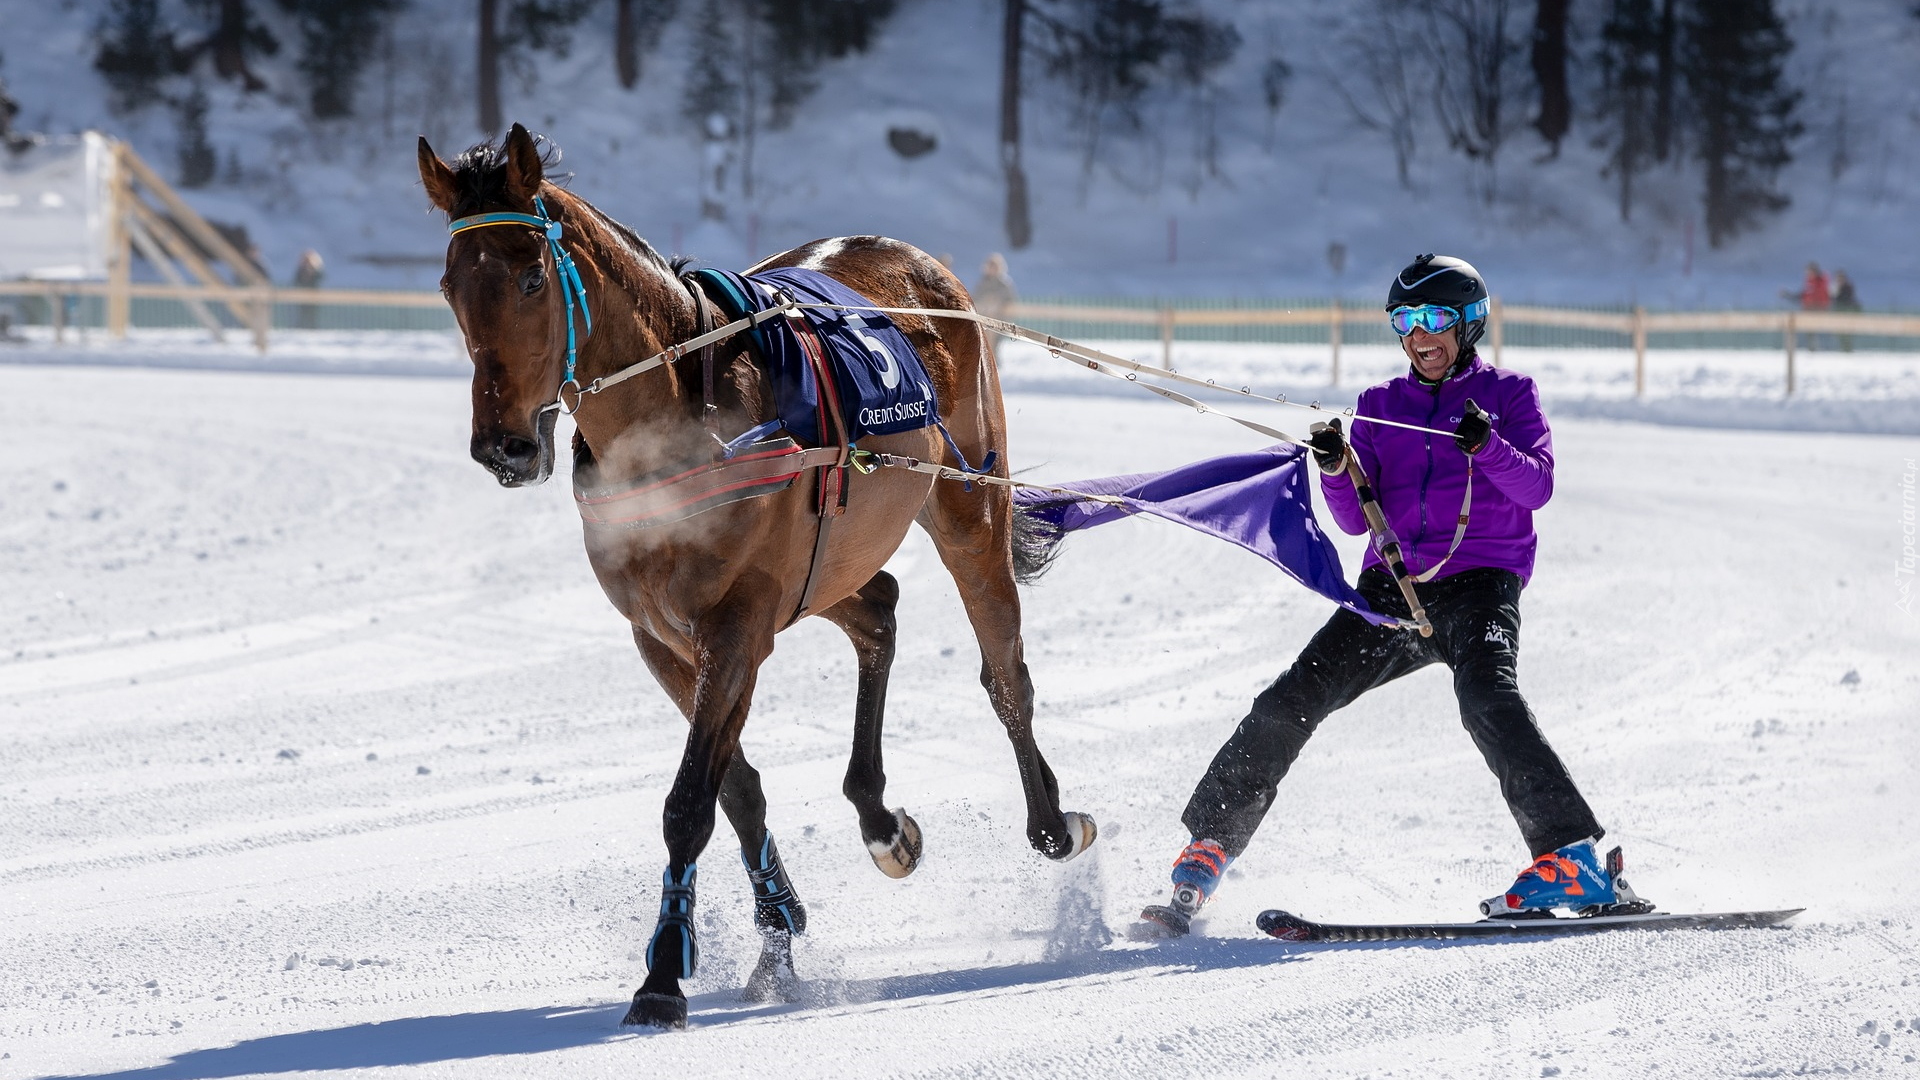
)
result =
(531, 281)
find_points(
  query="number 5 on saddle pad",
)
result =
(882, 385)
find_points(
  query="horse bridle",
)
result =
(572, 290)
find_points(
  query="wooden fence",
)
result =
(253, 304)
(1635, 324)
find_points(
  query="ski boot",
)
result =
(1196, 874)
(1569, 877)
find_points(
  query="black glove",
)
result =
(1329, 448)
(1474, 430)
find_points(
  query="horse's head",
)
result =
(504, 289)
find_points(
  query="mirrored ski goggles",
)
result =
(1433, 318)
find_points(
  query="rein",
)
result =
(572, 290)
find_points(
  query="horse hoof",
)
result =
(773, 978)
(1080, 835)
(898, 858)
(665, 1011)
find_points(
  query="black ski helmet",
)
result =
(1443, 279)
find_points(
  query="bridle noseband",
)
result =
(572, 290)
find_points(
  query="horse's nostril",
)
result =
(515, 448)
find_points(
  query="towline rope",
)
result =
(1094, 360)
(1104, 363)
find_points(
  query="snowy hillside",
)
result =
(1149, 220)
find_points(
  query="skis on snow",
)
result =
(1289, 927)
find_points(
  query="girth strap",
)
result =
(831, 499)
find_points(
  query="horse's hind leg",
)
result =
(973, 531)
(777, 911)
(892, 838)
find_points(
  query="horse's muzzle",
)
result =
(515, 459)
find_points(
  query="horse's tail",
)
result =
(1037, 536)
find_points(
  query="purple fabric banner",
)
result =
(1257, 500)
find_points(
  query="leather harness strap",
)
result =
(831, 489)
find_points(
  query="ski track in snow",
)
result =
(322, 753)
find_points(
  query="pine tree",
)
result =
(1018, 217)
(710, 88)
(136, 52)
(1115, 54)
(1629, 68)
(237, 36)
(530, 26)
(1734, 58)
(1667, 106)
(336, 39)
(1550, 72)
(637, 26)
(198, 162)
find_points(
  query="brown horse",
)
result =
(706, 595)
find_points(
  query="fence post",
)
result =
(1334, 336)
(1639, 351)
(119, 246)
(1499, 327)
(1166, 338)
(1792, 335)
(59, 302)
(262, 319)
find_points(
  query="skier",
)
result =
(1475, 557)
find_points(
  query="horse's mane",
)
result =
(480, 173)
(480, 179)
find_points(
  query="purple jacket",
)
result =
(1419, 478)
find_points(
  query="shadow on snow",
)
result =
(466, 1036)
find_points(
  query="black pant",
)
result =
(1476, 632)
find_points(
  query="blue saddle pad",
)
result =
(883, 384)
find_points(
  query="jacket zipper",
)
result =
(1427, 477)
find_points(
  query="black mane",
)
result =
(480, 180)
(480, 174)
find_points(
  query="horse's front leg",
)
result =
(893, 838)
(730, 643)
(777, 910)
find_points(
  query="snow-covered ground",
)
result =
(323, 753)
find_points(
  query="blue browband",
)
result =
(572, 290)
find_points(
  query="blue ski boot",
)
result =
(1196, 874)
(1570, 877)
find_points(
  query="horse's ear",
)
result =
(523, 165)
(437, 178)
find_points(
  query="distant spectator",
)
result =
(945, 259)
(1813, 296)
(1844, 299)
(994, 294)
(16, 141)
(718, 158)
(307, 275)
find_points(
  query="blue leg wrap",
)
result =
(775, 907)
(673, 935)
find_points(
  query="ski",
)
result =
(1290, 927)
